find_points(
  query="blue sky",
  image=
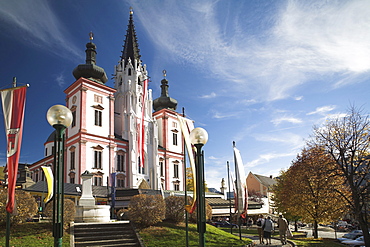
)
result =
(261, 73)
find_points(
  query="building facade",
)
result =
(121, 135)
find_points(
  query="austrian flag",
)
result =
(13, 100)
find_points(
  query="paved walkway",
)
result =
(274, 241)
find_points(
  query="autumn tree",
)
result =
(347, 141)
(309, 188)
(193, 216)
(190, 181)
(25, 207)
(69, 211)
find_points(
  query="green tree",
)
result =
(346, 140)
(309, 188)
(146, 210)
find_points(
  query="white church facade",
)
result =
(120, 135)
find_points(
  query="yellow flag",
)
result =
(50, 181)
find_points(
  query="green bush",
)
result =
(175, 209)
(69, 211)
(25, 207)
(146, 210)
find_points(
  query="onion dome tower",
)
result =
(90, 70)
(164, 101)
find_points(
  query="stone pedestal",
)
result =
(87, 211)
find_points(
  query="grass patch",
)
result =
(31, 234)
(311, 242)
(166, 234)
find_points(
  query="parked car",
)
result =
(223, 224)
(355, 242)
(353, 235)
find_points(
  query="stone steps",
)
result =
(104, 234)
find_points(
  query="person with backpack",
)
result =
(259, 224)
(268, 228)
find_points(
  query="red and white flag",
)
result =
(13, 100)
(241, 185)
(141, 141)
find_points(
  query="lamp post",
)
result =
(60, 117)
(198, 138)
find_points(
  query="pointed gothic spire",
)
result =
(165, 101)
(131, 46)
(90, 70)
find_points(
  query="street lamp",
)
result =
(60, 117)
(198, 138)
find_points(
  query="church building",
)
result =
(120, 135)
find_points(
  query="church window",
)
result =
(72, 160)
(120, 163)
(98, 99)
(174, 137)
(72, 178)
(176, 186)
(174, 124)
(98, 118)
(73, 119)
(121, 181)
(161, 168)
(97, 159)
(175, 170)
(129, 71)
(46, 152)
(98, 181)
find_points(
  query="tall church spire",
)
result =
(131, 47)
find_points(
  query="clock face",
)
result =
(74, 99)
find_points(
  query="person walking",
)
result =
(283, 228)
(259, 224)
(268, 228)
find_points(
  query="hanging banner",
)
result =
(241, 185)
(13, 100)
(50, 182)
(186, 127)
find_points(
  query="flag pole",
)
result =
(7, 213)
(186, 192)
(228, 178)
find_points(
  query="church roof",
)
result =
(70, 189)
(90, 70)
(131, 47)
(266, 181)
(51, 137)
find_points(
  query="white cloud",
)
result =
(60, 80)
(269, 157)
(294, 141)
(221, 115)
(323, 110)
(280, 120)
(209, 96)
(34, 23)
(297, 42)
